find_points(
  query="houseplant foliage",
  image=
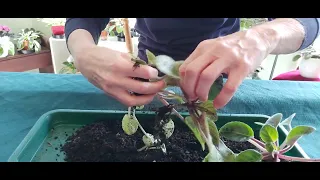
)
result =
(7, 47)
(28, 41)
(309, 62)
(201, 121)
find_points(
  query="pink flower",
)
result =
(4, 28)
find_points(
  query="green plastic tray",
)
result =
(43, 142)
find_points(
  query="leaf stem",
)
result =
(290, 158)
(173, 110)
(257, 145)
(258, 142)
(286, 149)
(141, 128)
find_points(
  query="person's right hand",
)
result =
(113, 72)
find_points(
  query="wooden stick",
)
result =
(127, 34)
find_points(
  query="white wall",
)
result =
(17, 24)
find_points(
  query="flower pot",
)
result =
(25, 45)
(46, 141)
(310, 68)
(57, 30)
(104, 35)
(27, 51)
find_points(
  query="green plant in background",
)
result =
(201, 121)
(6, 47)
(69, 67)
(307, 53)
(247, 23)
(115, 26)
(29, 39)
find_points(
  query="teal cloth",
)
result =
(24, 97)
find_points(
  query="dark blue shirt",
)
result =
(178, 37)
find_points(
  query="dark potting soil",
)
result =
(105, 141)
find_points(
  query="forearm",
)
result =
(83, 32)
(288, 35)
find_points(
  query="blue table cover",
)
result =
(24, 97)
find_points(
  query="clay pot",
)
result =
(25, 45)
(104, 35)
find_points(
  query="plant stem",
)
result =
(258, 142)
(174, 110)
(284, 150)
(276, 157)
(141, 128)
(257, 145)
(290, 158)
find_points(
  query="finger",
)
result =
(127, 99)
(127, 68)
(207, 78)
(139, 86)
(192, 74)
(234, 81)
(196, 53)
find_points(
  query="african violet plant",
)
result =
(201, 121)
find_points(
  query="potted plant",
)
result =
(309, 62)
(115, 28)
(69, 67)
(151, 140)
(57, 26)
(7, 47)
(5, 31)
(28, 41)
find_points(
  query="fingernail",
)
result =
(153, 73)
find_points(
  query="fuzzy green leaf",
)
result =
(215, 88)
(148, 140)
(168, 128)
(236, 131)
(211, 157)
(129, 124)
(214, 132)
(151, 57)
(168, 66)
(170, 81)
(296, 133)
(274, 120)
(207, 106)
(269, 134)
(270, 147)
(225, 152)
(296, 58)
(249, 155)
(194, 128)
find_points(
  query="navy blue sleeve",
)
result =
(93, 25)
(311, 27)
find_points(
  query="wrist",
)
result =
(283, 36)
(269, 36)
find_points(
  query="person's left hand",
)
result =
(237, 55)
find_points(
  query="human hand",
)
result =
(113, 72)
(237, 55)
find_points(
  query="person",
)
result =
(209, 46)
